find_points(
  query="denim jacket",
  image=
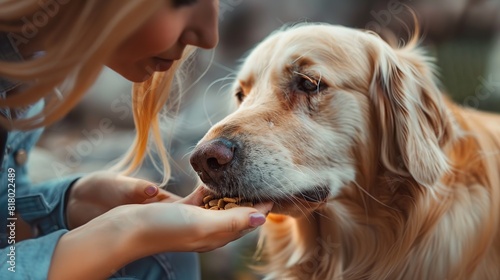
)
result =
(41, 205)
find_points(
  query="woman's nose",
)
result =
(203, 30)
(206, 39)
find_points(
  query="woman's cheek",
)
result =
(158, 35)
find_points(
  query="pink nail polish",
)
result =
(257, 219)
(151, 190)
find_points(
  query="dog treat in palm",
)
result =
(221, 203)
(207, 198)
(246, 204)
(230, 205)
(213, 202)
(224, 203)
(230, 199)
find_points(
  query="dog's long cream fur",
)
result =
(414, 179)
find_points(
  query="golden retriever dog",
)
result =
(374, 174)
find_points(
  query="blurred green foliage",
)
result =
(463, 67)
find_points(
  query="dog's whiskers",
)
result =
(295, 201)
(228, 77)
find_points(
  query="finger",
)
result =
(163, 196)
(222, 239)
(196, 197)
(138, 190)
(236, 220)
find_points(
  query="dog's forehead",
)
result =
(307, 45)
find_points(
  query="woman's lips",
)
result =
(162, 64)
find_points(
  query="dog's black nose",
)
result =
(210, 159)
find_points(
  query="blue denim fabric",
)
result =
(166, 266)
(40, 206)
(32, 257)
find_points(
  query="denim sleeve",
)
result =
(43, 206)
(29, 259)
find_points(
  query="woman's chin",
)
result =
(134, 74)
(137, 77)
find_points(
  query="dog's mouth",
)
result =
(302, 203)
(318, 194)
(295, 204)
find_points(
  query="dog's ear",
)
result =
(414, 124)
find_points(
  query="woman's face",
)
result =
(162, 39)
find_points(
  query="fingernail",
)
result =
(151, 190)
(257, 219)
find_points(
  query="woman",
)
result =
(100, 225)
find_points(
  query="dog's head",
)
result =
(318, 105)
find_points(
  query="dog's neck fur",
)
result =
(378, 232)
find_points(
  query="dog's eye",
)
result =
(239, 96)
(180, 3)
(307, 84)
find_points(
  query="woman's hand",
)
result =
(130, 232)
(185, 226)
(177, 227)
(99, 192)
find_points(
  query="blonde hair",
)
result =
(148, 99)
(91, 30)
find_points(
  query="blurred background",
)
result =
(463, 35)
